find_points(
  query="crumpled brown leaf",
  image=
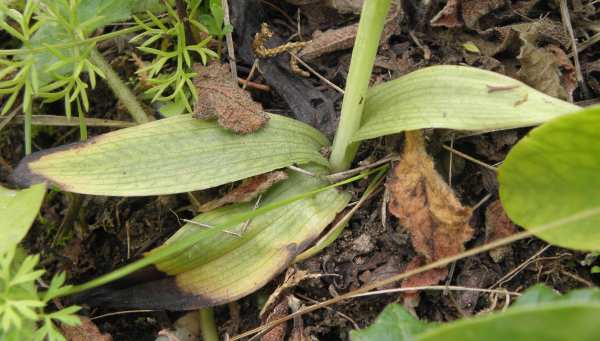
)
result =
(457, 13)
(343, 38)
(428, 208)
(220, 97)
(497, 226)
(86, 331)
(547, 68)
(425, 205)
(249, 189)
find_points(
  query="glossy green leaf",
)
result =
(539, 314)
(173, 155)
(455, 97)
(554, 173)
(18, 210)
(225, 266)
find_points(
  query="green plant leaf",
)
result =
(544, 316)
(553, 173)
(223, 267)
(18, 210)
(393, 324)
(173, 155)
(455, 97)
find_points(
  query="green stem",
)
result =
(120, 89)
(207, 325)
(169, 250)
(370, 27)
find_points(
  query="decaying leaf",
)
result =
(278, 332)
(249, 189)
(474, 10)
(343, 38)
(448, 16)
(221, 98)
(458, 13)
(497, 226)
(544, 68)
(427, 207)
(431, 277)
(86, 331)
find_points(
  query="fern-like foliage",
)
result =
(22, 315)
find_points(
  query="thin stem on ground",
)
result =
(121, 91)
(370, 27)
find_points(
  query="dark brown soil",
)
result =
(89, 236)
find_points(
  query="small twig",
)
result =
(578, 279)
(436, 287)
(345, 174)
(566, 19)
(482, 201)
(121, 313)
(306, 298)
(302, 171)
(63, 121)
(208, 226)
(246, 83)
(470, 158)
(518, 269)
(314, 72)
(10, 116)
(247, 222)
(229, 40)
(251, 73)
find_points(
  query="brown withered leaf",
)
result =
(449, 16)
(278, 332)
(221, 98)
(473, 10)
(86, 331)
(343, 38)
(249, 189)
(430, 277)
(497, 226)
(425, 205)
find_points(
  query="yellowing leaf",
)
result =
(172, 155)
(455, 97)
(224, 266)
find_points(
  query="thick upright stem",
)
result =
(208, 327)
(119, 88)
(371, 24)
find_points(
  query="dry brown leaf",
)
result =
(430, 277)
(221, 98)
(278, 332)
(473, 10)
(425, 205)
(448, 16)
(343, 38)
(249, 189)
(497, 226)
(86, 331)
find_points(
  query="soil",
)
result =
(89, 236)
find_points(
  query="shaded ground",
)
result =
(107, 232)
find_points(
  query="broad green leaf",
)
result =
(18, 210)
(455, 97)
(224, 267)
(173, 155)
(554, 173)
(544, 316)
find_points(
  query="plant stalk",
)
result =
(370, 27)
(208, 326)
(119, 88)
